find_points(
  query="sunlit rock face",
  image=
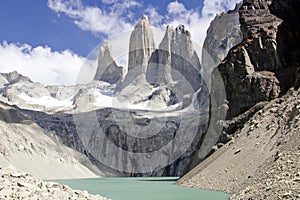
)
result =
(108, 70)
(175, 59)
(141, 44)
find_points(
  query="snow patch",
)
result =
(47, 101)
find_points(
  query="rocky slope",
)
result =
(262, 159)
(16, 185)
(27, 147)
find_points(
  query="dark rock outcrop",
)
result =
(108, 70)
(251, 70)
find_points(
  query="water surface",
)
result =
(149, 188)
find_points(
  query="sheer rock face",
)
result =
(175, 60)
(141, 44)
(251, 71)
(223, 33)
(108, 70)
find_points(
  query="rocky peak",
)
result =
(141, 44)
(175, 60)
(107, 69)
(105, 51)
(14, 77)
(143, 22)
(178, 41)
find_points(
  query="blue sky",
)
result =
(53, 37)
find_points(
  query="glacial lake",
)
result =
(149, 188)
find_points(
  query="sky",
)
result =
(50, 40)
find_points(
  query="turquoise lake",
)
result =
(150, 188)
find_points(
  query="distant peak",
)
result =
(105, 50)
(144, 21)
(144, 17)
(106, 46)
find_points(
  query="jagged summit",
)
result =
(223, 33)
(174, 64)
(175, 59)
(144, 21)
(105, 50)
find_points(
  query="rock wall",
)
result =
(129, 143)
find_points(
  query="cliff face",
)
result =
(223, 33)
(134, 88)
(141, 45)
(175, 59)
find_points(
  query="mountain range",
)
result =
(229, 122)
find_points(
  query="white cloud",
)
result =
(113, 21)
(213, 7)
(40, 63)
(176, 8)
(109, 1)
(154, 17)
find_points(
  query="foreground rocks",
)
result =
(15, 185)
